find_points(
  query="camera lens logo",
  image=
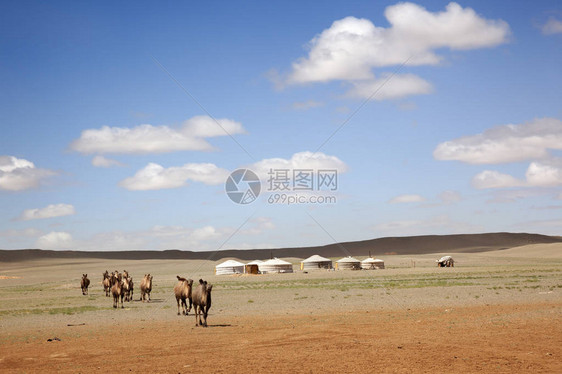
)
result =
(243, 186)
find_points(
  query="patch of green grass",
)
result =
(65, 310)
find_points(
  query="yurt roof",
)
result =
(276, 261)
(372, 260)
(316, 258)
(229, 263)
(255, 262)
(347, 259)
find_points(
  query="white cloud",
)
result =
(351, 47)
(17, 174)
(390, 87)
(305, 105)
(156, 177)
(300, 160)
(494, 179)
(55, 240)
(104, 162)
(507, 143)
(50, 211)
(407, 199)
(552, 26)
(156, 139)
(545, 174)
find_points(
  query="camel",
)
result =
(183, 293)
(117, 292)
(201, 298)
(106, 283)
(116, 277)
(146, 287)
(127, 288)
(84, 283)
(131, 288)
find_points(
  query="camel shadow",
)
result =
(220, 325)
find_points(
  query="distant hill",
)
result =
(409, 245)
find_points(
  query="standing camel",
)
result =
(117, 292)
(106, 283)
(202, 301)
(146, 287)
(84, 284)
(183, 293)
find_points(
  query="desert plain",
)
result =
(498, 311)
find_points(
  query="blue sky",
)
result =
(120, 123)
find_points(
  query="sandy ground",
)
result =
(494, 312)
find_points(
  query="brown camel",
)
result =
(106, 283)
(146, 287)
(183, 292)
(117, 292)
(127, 288)
(84, 284)
(202, 301)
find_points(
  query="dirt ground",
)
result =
(494, 312)
(500, 339)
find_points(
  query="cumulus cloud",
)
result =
(506, 143)
(351, 47)
(494, 179)
(300, 160)
(17, 174)
(407, 199)
(191, 136)
(552, 26)
(55, 240)
(50, 211)
(538, 174)
(544, 174)
(157, 177)
(390, 87)
(104, 162)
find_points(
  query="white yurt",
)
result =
(229, 267)
(252, 267)
(316, 262)
(348, 263)
(445, 261)
(372, 263)
(275, 265)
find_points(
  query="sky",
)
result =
(120, 123)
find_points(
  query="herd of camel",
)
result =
(121, 287)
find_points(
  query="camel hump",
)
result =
(181, 279)
(201, 281)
